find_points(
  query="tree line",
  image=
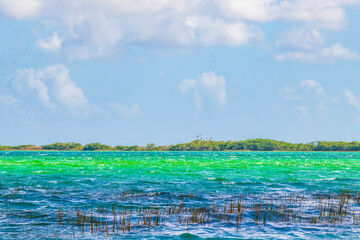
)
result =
(201, 145)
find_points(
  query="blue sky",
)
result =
(125, 72)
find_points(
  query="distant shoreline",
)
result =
(201, 145)
(168, 151)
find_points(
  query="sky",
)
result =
(125, 72)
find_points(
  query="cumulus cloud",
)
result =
(338, 51)
(30, 91)
(66, 91)
(351, 98)
(27, 83)
(327, 14)
(52, 43)
(207, 83)
(51, 86)
(254, 10)
(21, 9)
(326, 55)
(97, 28)
(219, 32)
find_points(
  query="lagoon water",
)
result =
(36, 186)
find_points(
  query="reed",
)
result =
(330, 209)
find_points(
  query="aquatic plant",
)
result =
(329, 209)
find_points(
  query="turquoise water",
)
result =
(36, 186)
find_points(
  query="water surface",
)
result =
(35, 185)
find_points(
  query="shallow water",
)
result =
(35, 186)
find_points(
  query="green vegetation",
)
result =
(127, 148)
(63, 146)
(246, 145)
(201, 145)
(337, 146)
(96, 147)
(20, 147)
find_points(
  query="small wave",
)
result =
(189, 236)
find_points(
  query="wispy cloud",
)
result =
(301, 38)
(351, 98)
(325, 55)
(27, 82)
(123, 110)
(289, 94)
(207, 83)
(307, 98)
(8, 100)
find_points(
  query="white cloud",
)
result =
(90, 34)
(98, 28)
(8, 100)
(52, 43)
(101, 28)
(27, 82)
(197, 100)
(289, 94)
(21, 9)
(219, 32)
(309, 98)
(351, 98)
(303, 38)
(325, 14)
(338, 51)
(326, 55)
(312, 85)
(9, 103)
(31, 90)
(65, 89)
(187, 85)
(207, 83)
(51, 86)
(252, 10)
